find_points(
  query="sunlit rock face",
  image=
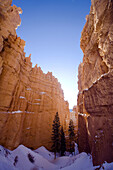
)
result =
(29, 99)
(74, 117)
(95, 83)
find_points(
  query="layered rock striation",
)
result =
(95, 83)
(29, 99)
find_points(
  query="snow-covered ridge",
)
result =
(23, 158)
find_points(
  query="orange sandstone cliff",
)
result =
(74, 117)
(95, 83)
(29, 99)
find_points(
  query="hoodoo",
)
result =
(29, 99)
(95, 83)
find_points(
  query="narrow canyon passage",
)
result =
(30, 98)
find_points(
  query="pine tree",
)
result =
(62, 142)
(71, 136)
(56, 134)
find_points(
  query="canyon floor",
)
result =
(23, 158)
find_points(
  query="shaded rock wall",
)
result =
(29, 99)
(95, 83)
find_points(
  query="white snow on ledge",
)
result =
(80, 103)
(82, 114)
(96, 81)
(42, 92)
(29, 112)
(28, 89)
(87, 89)
(36, 103)
(22, 97)
(18, 111)
(38, 99)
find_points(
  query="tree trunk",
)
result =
(54, 155)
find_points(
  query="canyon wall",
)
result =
(29, 99)
(74, 117)
(95, 83)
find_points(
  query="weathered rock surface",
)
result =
(95, 83)
(29, 99)
(74, 117)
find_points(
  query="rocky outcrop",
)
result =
(29, 99)
(74, 117)
(95, 79)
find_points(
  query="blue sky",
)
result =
(52, 31)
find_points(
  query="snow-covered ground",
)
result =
(23, 158)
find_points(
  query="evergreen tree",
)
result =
(56, 134)
(71, 136)
(62, 142)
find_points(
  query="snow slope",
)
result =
(25, 164)
(45, 153)
(23, 158)
(80, 162)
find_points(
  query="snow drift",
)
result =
(23, 158)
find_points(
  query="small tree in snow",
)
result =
(56, 134)
(15, 161)
(31, 158)
(62, 142)
(71, 136)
